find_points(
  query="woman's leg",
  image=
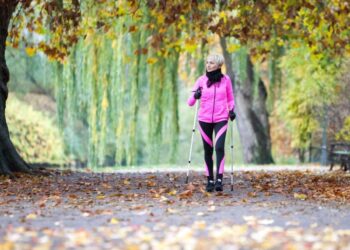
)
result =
(220, 135)
(206, 130)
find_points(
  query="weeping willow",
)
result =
(135, 83)
(122, 122)
(156, 105)
(101, 89)
(173, 103)
(129, 72)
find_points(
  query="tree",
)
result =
(10, 160)
(252, 121)
(174, 26)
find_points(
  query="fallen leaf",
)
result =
(114, 221)
(172, 192)
(171, 211)
(211, 208)
(300, 196)
(126, 182)
(31, 216)
(186, 194)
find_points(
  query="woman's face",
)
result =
(211, 65)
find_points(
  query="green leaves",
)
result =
(310, 84)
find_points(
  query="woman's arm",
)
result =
(191, 100)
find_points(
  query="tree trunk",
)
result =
(252, 115)
(10, 161)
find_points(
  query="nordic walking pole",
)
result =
(232, 156)
(193, 129)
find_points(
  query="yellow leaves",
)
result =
(121, 10)
(90, 33)
(223, 15)
(114, 221)
(31, 216)
(152, 60)
(172, 192)
(204, 5)
(100, 197)
(201, 225)
(280, 42)
(295, 44)
(277, 16)
(286, 27)
(34, 134)
(190, 45)
(233, 47)
(160, 18)
(8, 245)
(300, 196)
(30, 51)
(344, 133)
(182, 20)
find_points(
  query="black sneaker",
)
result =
(210, 186)
(218, 185)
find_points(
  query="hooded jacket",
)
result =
(216, 101)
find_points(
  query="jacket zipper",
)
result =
(212, 115)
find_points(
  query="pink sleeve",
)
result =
(229, 92)
(191, 100)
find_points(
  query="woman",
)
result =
(216, 106)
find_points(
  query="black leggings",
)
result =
(206, 130)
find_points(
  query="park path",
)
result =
(279, 209)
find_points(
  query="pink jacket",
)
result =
(216, 101)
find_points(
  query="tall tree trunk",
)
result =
(10, 161)
(252, 115)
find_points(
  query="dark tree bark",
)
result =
(10, 160)
(252, 115)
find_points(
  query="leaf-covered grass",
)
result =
(34, 134)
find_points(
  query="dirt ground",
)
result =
(156, 210)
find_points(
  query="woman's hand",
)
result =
(232, 115)
(198, 93)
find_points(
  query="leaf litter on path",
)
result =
(68, 210)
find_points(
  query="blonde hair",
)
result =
(217, 58)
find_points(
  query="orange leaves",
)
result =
(151, 183)
(186, 194)
(102, 211)
(253, 22)
(30, 51)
